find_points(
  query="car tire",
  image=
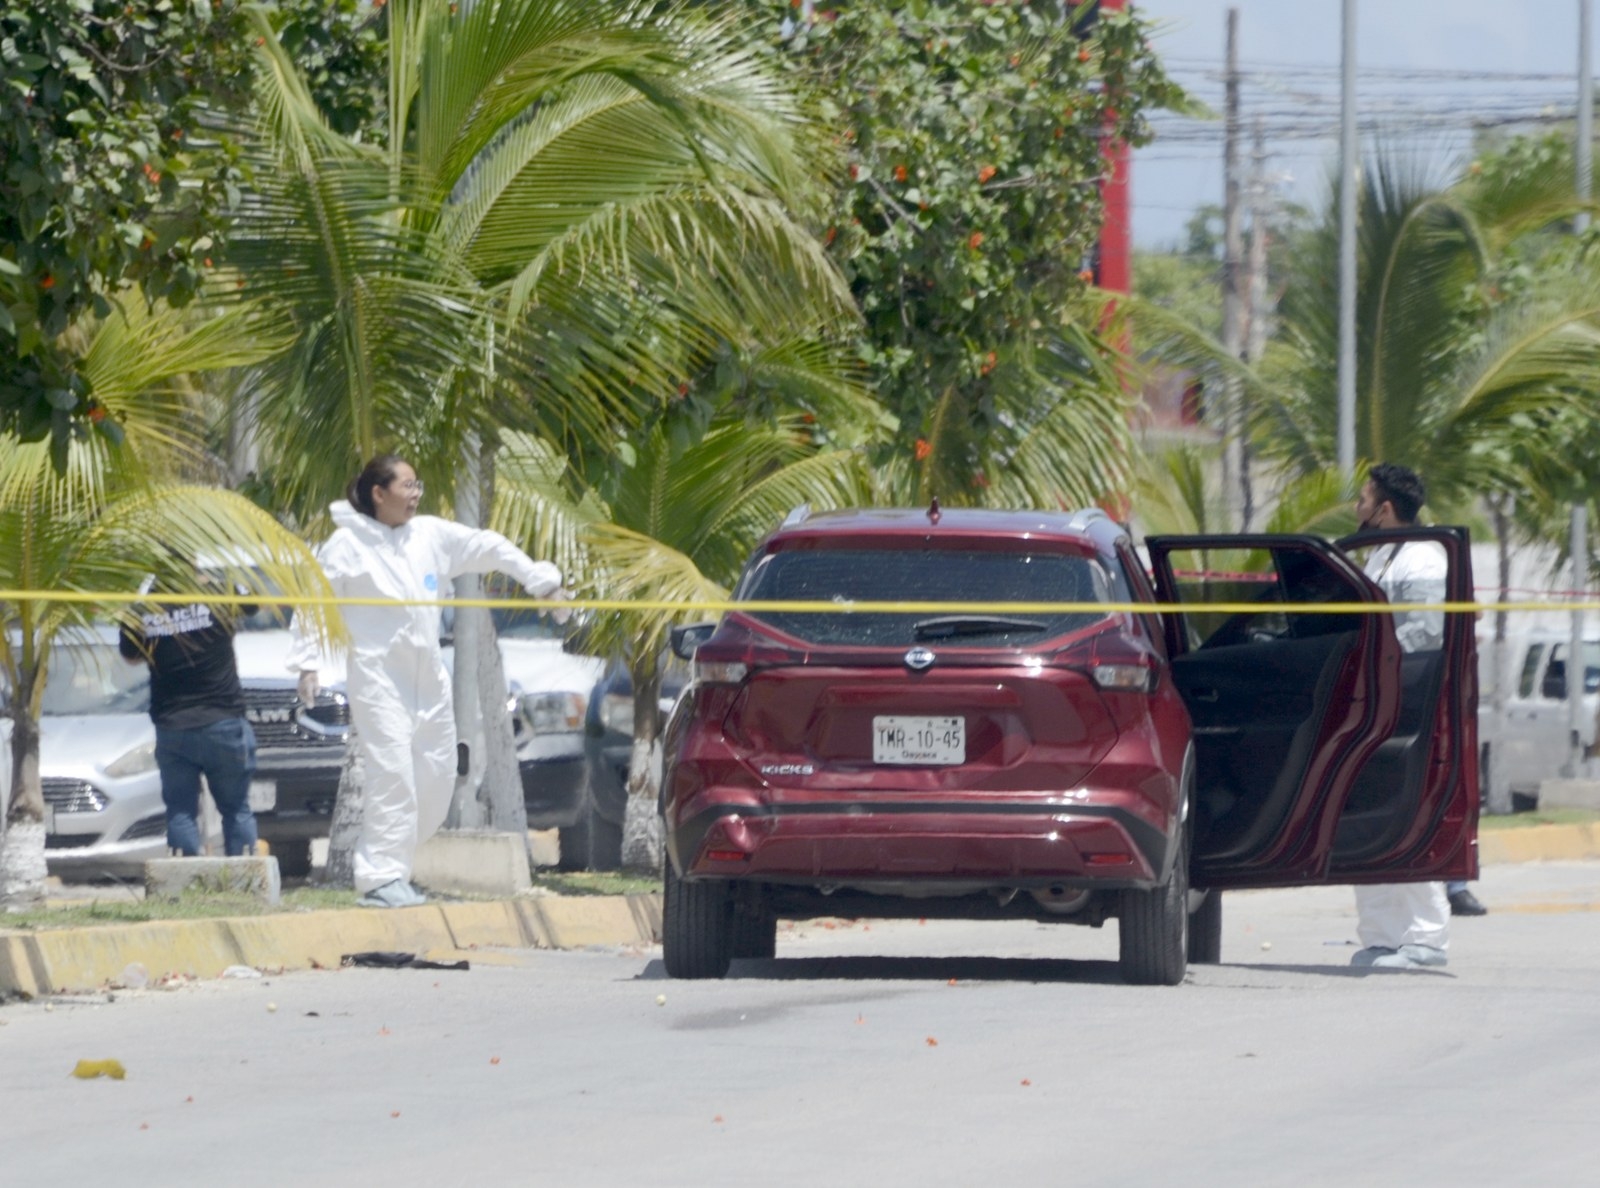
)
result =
(1205, 931)
(755, 930)
(697, 929)
(1153, 930)
(294, 857)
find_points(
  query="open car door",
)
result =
(1324, 752)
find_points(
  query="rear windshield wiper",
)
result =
(949, 626)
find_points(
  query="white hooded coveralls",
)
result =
(1395, 914)
(398, 687)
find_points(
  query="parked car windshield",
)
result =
(87, 678)
(879, 574)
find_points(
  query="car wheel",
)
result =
(755, 930)
(1154, 928)
(294, 857)
(1205, 931)
(696, 927)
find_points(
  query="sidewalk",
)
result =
(70, 960)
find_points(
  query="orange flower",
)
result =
(855, 172)
(900, 173)
(986, 173)
(922, 450)
(1087, 276)
(1083, 55)
(975, 240)
(833, 233)
(96, 413)
(49, 282)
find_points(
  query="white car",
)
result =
(97, 760)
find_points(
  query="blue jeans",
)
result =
(225, 752)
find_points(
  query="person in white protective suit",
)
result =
(399, 690)
(1403, 925)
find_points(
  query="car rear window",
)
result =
(845, 575)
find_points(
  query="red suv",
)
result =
(987, 752)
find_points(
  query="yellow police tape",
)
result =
(795, 606)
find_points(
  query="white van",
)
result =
(1533, 741)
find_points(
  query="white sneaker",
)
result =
(1405, 957)
(396, 893)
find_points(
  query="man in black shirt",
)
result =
(198, 709)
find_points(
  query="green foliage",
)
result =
(967, 207)
(1189, 286)
(117, 168)
(583, 209)
(1467, 357)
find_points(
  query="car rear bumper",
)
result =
(972, 845)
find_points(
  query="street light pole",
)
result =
(1582, 159)
(1349, 174)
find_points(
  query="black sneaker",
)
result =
(1465, 903)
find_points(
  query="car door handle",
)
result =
(1204, 694)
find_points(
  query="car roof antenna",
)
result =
(933, 511)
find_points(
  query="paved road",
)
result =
(885, 1054)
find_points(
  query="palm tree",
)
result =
(671, 528)
(1447, 367)
(576, 206)
(111, 515)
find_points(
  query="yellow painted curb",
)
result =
(573, 922)
(79, 959)
(1540, 843)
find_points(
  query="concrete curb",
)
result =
(79, 959)
(1539, 843)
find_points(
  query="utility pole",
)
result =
(1257, 315)
(1232, 297)
(1582, 157)
(1349, 176)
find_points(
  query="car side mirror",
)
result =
(689, 636)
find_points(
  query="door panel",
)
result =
(1287, 704)
(1413, 813)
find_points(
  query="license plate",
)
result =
(930, 741)
(263, 796)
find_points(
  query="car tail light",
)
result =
(1124, 678)
(736, 651)
(720, 672)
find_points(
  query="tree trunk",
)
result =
(345, 829)
(643, 845)
(501, 790)
(1496, 790)
(22, 866)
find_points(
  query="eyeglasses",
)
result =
(410, 486)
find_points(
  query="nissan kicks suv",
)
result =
(1036, 727)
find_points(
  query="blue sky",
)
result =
(1429, 68)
